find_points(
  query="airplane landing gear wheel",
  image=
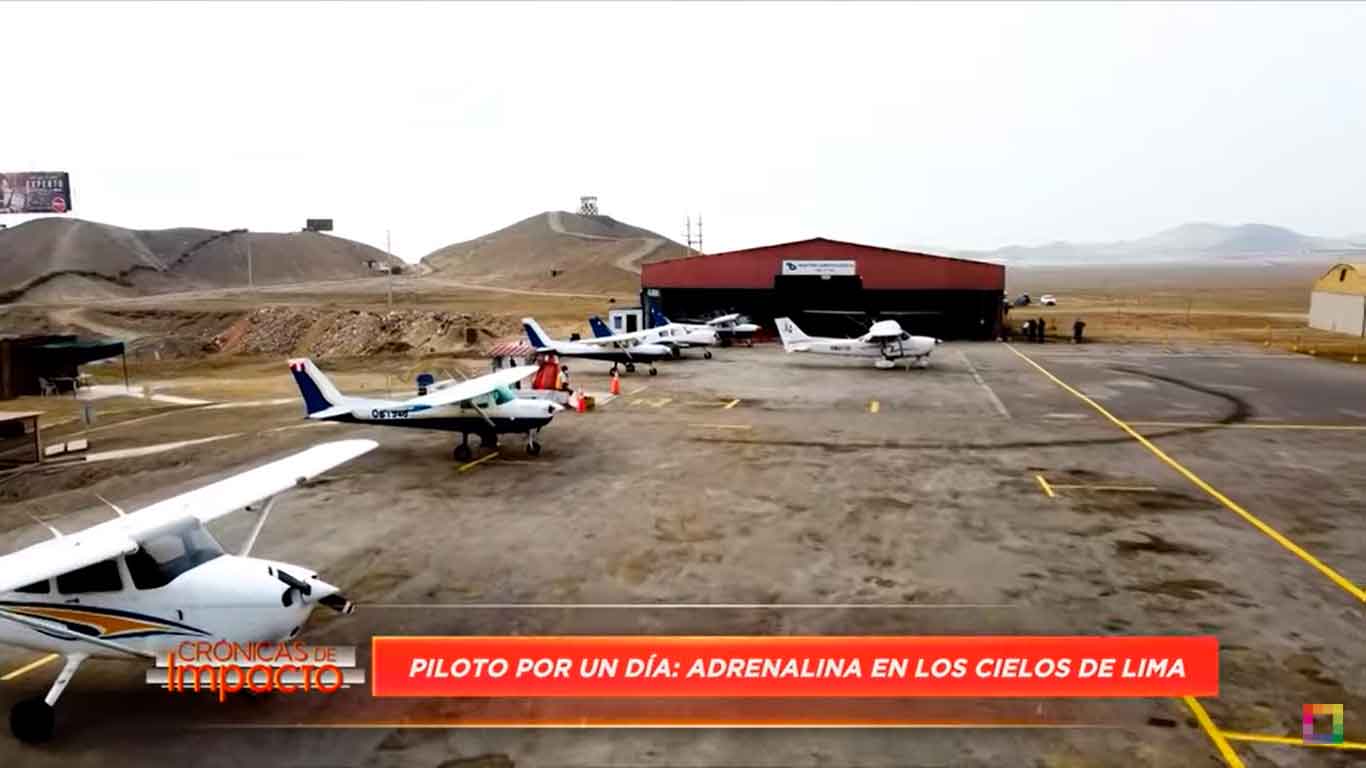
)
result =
(32, 721)
(676, 352)
(462, 452)
(706, 353)
(630, 367)
(653, 372)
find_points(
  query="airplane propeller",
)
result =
(302, 587)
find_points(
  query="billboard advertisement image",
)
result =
(35, 192)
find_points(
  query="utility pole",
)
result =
(389, 269)
(251, 280)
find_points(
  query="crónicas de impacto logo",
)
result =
(224, 667)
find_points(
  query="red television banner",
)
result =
(824, 666)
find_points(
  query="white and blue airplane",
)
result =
(884, 341)
(618, 350)
(676, 336)
(485, 406)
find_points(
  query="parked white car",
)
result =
(1048, 300)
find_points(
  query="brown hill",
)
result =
(557, 250)
(55, 259)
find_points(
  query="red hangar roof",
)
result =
(883, 269)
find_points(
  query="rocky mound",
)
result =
(57, 259)
(556, 250)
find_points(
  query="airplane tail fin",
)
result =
(600, 328)
(657, 318)
(789, 332)
(318, 391)
(535, 333)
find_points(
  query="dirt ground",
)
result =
(827, 483)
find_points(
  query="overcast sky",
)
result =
(966, 126)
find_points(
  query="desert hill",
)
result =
(1192, 243)
(56, 259)
(557, 250)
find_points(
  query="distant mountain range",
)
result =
(1195, 242)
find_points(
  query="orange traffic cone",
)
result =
(579, 404)
(616, 384)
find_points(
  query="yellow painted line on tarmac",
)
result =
(1215, 735)
(1045, 486)
(30, 667)
(1294, 741)
(639, 389)
(477, 462)
(1120, 488)
(731, 404)
(1275, 535)
(723, 426)
(873, 406)
(1245, 425)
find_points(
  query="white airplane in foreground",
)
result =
(884, 340)
(485, 406)
(676, 336)
(140, 584)
(624, 351)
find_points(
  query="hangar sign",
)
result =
(35, 192)
(805, 267)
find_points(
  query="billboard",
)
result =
(35, 192)
(318, 225)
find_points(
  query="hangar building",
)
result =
(1339, 300)
(832, 288)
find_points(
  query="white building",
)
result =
(1339, 300)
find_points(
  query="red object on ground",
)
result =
(616, 385)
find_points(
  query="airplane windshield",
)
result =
(165, 556)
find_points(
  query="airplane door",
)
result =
(631, 325)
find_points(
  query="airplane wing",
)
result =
(468, 390)
(121, 535)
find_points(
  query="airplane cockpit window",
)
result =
(905, 336)
(36, 588)
(96, 577)
(162, 558)
(503, 395)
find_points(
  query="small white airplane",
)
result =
(732, 328)
(485, 406)
(624, 351)
(676, 336)
(884, 340)
(140, 584)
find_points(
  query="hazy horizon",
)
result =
(963, 127)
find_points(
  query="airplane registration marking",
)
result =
(384, 413)
(471, 465)
(30, 667)
(1337, 578)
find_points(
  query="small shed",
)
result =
(27, 361)
(1338, 303)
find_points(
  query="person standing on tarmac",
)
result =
(1077, 327)
(1041, 328)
